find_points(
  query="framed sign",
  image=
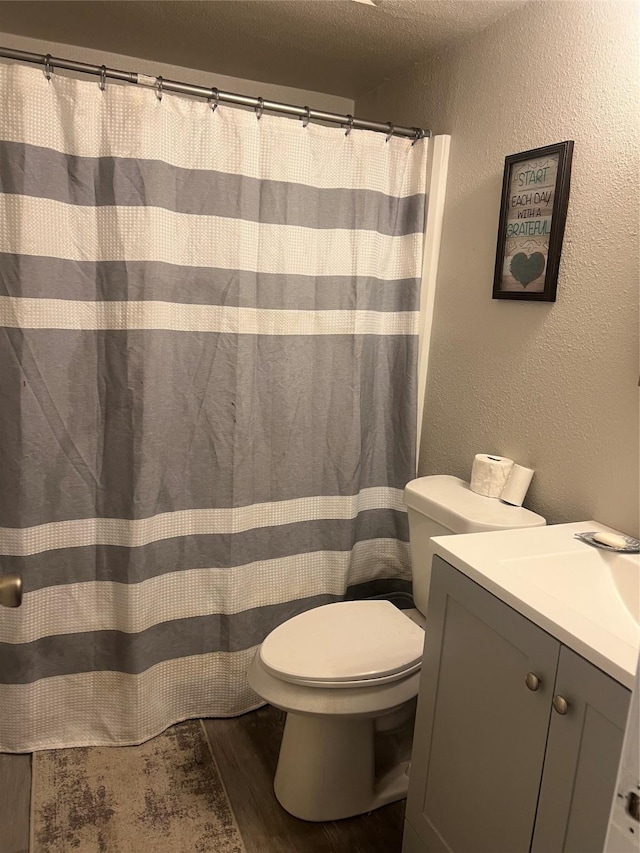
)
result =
(535, 195)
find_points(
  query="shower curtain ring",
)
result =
(48, 70)
(419, 133)
(259, 108)
(391, 129)
(214, 99)
(159, 88)
(103, 77)
(350, 123)
(306, 117)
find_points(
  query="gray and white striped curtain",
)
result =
(208, 338)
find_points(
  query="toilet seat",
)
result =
(348, 644)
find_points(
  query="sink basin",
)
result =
(607, 581)
(626, 576)
(586, 597)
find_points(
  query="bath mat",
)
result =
(164, 796)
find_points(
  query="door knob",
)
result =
(532, 681)
(10, 590)
(560, 704)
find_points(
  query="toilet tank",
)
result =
(441, 505)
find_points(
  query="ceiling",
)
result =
(339, 47)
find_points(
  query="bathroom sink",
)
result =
(591, 581)
(586, 597)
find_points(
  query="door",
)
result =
(480, 731)
(583, 753)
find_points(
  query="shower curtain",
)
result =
(208, 340)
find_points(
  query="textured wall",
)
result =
(554, 386)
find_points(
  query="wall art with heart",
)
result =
(535, 196)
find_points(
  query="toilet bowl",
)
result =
(347, 674)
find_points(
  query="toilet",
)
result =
(347, 674)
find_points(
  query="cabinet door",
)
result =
(583, 753)
(480, 732)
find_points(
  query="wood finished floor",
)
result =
(15, 796)
(246, 751)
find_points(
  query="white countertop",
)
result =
(565, 586)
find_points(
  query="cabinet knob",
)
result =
(560, 704)
(532, 681)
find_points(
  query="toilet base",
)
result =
(327, 765)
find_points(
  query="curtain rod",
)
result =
(259, 104)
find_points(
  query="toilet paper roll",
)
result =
(489, 474)
(518, 482)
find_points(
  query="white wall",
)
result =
(554, 386)
(270, 91)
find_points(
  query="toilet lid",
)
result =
(344, 642)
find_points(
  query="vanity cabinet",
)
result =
(517, 738)
(582, 757)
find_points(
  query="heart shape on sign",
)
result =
(527, 268)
